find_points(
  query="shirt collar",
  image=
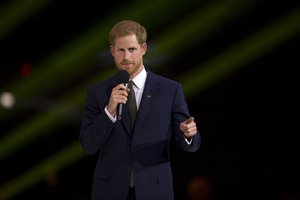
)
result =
(140, 79)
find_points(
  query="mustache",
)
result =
(125, 62)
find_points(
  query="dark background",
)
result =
(247, 149)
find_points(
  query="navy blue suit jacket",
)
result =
(145, 149)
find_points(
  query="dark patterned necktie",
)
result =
(131, 102)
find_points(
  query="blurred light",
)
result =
(26, 69)
(7, 100)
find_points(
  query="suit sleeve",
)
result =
(181, 113)
(95, 126)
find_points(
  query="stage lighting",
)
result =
(7, 100)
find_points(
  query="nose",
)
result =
(126, 55)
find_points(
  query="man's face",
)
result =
(128, 54)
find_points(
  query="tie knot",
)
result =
(130, 84)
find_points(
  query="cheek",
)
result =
(117, 58)
(137, 57)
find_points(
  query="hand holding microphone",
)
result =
(119, 94)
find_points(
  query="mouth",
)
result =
(127, 63)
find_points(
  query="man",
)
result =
(133, 161)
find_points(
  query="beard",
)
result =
(131, 67)
(125, 62)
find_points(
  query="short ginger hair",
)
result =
(128, 27)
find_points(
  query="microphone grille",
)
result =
(122, 76)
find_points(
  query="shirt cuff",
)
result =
(113, 119)
(188, 141)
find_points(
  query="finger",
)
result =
(118, 98)
(121, 93)
(189, 120)
(191, 124)
(187, 124)
(191, 130)
(189, 135)
(120, 87)
(183, 125)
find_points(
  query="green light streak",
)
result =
(17, 12)
(40, 125)
(59, 161)
(200, 24)
(250, 49)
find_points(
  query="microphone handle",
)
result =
(120, 107)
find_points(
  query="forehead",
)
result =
(126, 41)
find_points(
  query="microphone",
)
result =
(122, 77)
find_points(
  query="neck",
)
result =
(137, 72)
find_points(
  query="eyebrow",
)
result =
(120, 48)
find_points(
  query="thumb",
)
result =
(189, 120)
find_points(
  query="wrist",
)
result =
(189, 138)
(113, 113)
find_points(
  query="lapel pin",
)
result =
(149, 96)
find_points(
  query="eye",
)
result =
(132, 49)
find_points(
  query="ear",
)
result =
(144, 48)
(111, 50)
